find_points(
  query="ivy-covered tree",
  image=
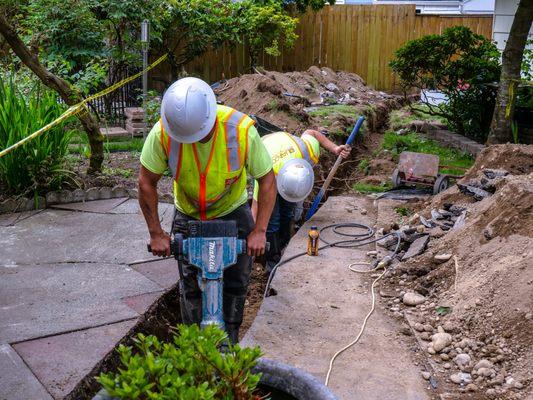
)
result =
(458, 63)
(500, 129)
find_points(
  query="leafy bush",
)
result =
(37, 166)
(191, 367)
(460, 64)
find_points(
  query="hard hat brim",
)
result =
(196, 137)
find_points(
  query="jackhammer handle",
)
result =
(149, 248)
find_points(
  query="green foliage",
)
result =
(403, 211)
(365, 188)
(332, 111)
(460, 64)
(527, 62)
(268, 27)
(153, 107)
(39, 165)
(189, 368)
(456, 160)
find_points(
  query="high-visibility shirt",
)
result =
(283, 146)
(210, 178)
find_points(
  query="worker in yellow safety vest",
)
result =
(209, 149)
(292, 181)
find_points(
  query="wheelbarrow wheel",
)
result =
(396, 178)
(441, 184)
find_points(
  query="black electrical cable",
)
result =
(358, 240)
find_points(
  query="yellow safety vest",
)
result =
(283, 146)
(207, 194)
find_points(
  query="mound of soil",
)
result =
(487, 284)
(281, 98)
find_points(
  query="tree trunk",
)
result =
(500, 127)
(62, 87)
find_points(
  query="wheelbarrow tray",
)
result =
(418, 165)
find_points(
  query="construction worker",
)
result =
(283, 147)
(209, 149)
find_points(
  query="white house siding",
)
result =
(504, 11)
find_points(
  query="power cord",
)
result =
(357, 240)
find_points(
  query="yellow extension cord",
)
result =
(351, 268)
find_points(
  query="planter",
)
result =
(281, 380)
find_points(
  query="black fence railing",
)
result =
(109, 109)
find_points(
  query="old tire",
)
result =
(282, 377)
(396, 178)
(441, 184)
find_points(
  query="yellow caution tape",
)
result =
(81, 106)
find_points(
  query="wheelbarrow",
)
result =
(420, 169)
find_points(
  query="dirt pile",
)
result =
(285, 98)
(476, 280)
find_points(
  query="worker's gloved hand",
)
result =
(343, 150)
(256, 243)
(160, 244)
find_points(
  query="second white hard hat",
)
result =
(188, 110)
(295, 180)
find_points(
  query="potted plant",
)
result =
(193, 367)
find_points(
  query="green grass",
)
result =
(403, 117)
(342, 109)
(457, 161)
(366, 188)
(403, 211)
(79, 144)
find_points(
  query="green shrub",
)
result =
(39, 165)
(460, 64)
(192, 367)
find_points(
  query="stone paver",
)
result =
(61, 361)
(164, 272)
(40, 300)
(68, 293)
(97, 206)
(16, 379)
(320, 307)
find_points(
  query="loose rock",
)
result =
(426, 375)
(472, 387)
(413, 299)
(462, 360)
(461, 377)
(440, 340)
(442, 258)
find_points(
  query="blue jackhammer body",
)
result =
(210, 246)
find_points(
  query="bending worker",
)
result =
(209, 149)
(293, 183)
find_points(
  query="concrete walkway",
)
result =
(69, 292)
(320, 307)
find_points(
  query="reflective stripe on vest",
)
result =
(232, 139)
(302, 147)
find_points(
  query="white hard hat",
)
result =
(188, 110)
(295, 180)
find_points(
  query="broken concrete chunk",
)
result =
(459, 223)
(417, 247)
(462, 360)
(427, 222)
(477, 193)
(495, 173)
(413, 299)
(436, 215)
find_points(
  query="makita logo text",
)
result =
(212, 259)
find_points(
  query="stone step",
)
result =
(114, 131)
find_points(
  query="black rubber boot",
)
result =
(190, 307)
(273, 255)
(233, 314)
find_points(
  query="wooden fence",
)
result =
(354, 38)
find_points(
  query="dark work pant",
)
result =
(236, 277)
